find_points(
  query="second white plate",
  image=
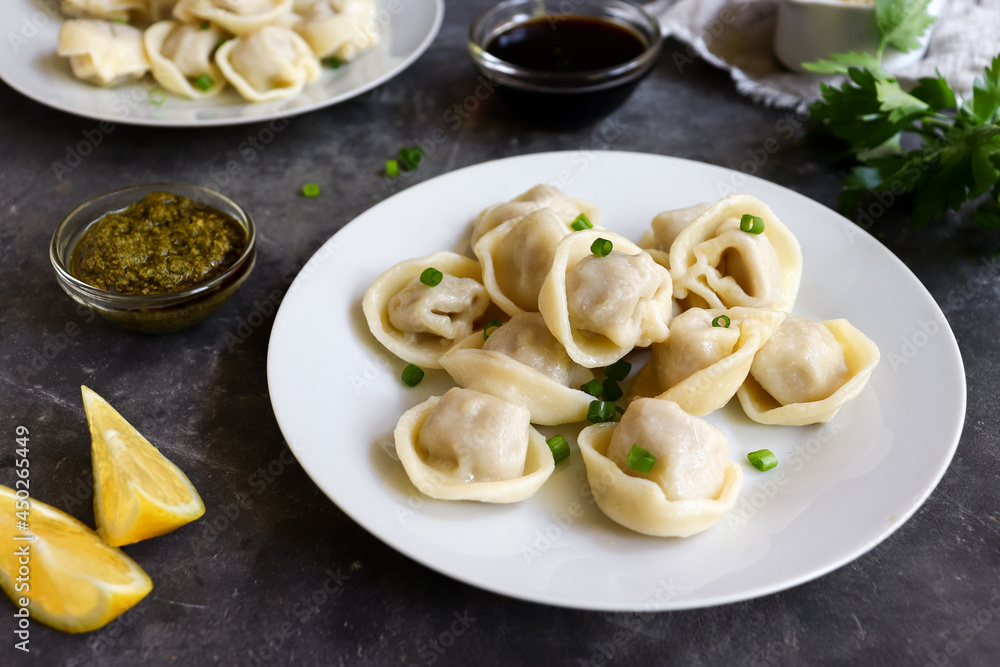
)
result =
(838, 490)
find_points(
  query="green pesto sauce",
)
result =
(163, 243)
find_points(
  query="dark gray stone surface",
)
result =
(240, 593)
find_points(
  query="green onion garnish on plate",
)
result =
(559, 447)
(763, 459)
(639, 459)
(431, 277)
(412, 375)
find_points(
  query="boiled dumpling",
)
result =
(516, 257)
(240, 17)
(540, 196)
(667, 225)
(103, 52)
(180, 57)
(103, 9)
(689, 488)
(707, 357)
(714, 264)
(418, 323)
(521, 362)
(160, 10)
(339, 28)
(271, 63)
(806, 371)
(600, 308)
(467, 445)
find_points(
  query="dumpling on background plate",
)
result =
(272, 63)
(240, 17)
(339, 28)
(180, 58)
(103, 52)
(807, 371)
(467, 445)
(566, 208)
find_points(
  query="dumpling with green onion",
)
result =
(604, 296)
(706, 358)
(522, 362)
(419, 308)
(736, 253)
(807, 371)
(660, 471)
(104, 53)
(666, 226)
(467, 445)
(271, 63)
(240, 17)
(566, 208)
(339, 28)
(180, 58)
(516, 257)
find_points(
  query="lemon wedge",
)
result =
(71, 579)
(138, 493)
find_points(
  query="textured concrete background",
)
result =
(235, 587)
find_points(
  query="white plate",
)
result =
(839, 489)
(31, 66)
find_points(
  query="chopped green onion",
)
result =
(639, 459)
(205, 25)
(762, 459)
(412, 375)
(121, 20)
(391, 168)
(310, 190)
(332, 62)
(219, 43)
(619, 412)
(431, 276)
(581, 223)
(599, 412)
(409, 158)
(618, 370)
(612, 392)
(751, 224)
(491, 326)
(156, 96)
(559, 447)
(594, 388)
(601, 247)
(204, 82)
(722, 321)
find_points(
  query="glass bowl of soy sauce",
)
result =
(563, 63)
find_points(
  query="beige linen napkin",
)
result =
(737, 35)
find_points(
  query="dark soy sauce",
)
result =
(567, 44)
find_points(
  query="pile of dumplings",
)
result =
(267, 49)
(708, 295)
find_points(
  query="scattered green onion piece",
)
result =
(722, 321)
(601, 247)
(594, 388)
(762, 459)
(491, 326)
(412, 375)
(204, 82)
(333, 62)
(409, 158)
(618, 370)
(219, 43)
(639, 459)
(310, 190)
(751, 224)
(205, 25)
(391, 168)
(581, 223)
(599, 412)
(619, 411)
(559, 447)
(156, 96)
(431, 276)
(121, 20)
(612, 391)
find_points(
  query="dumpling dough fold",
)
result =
(540, 196)
(701, 366)
(179, 53)
(271, 63)
(103, 52)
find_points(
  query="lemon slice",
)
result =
(71, 579)
(138, 493)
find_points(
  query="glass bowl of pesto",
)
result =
(157, 257)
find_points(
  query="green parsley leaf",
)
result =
(986, 93)
(901, 23)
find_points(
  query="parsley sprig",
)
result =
(926, 141)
